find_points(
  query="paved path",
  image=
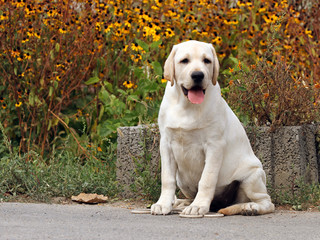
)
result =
(43, 221)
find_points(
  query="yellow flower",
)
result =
(221, 54)
(231, 69)
(4, 16)
(24, 40)
(234, 47)
(37, 35)
(309, 33)
(136, 47)
(128, 84)
(62, 30)
(136, 58)
(99, 149)
(4, 106)
(18, 104)
(263, 42)
(163, 80)
(169, 32)
(217, 40)
(20, 3)
(27, 56)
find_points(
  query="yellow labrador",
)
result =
(204, 148)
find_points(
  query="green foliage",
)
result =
(299, 196)
(63, 174)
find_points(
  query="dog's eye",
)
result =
(207, 61)
(184, 61)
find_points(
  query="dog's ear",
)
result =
(216, 66)
(169, 66)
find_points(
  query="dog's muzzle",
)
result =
(196, 93)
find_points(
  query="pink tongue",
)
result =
(196, 96)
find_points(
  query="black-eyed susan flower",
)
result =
(263, 42)
(20, 3)
(4, 16)
(169, 33)
(62, 30)
(18, 104)
(136, 47)
(221, 54)
(27, 56)
(4, 105)
(128, 84)
(149, 98)
(136, 58)
(217, 40)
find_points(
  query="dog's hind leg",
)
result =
(181, 203)
(254, 189)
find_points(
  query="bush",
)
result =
(97, 65)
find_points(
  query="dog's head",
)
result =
(193, 66)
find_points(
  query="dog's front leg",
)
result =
(168, 180)
(207, 183)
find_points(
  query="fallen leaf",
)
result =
(89, 198)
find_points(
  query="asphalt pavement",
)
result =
(53, 221)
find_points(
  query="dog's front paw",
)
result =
(160, 209)
(195, 210)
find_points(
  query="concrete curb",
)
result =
(287, 154)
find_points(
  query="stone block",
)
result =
(136, 145)
(294, 155)
(287, 154)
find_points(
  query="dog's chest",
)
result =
(188, 149)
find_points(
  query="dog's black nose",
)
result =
(197, 76)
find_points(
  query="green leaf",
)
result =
(66, 120)
(57, 47)
(50, 91)
(101, 113)
(143, 45)
(104, 95)
(234, 60)
(51, 55)
(31, 98)
(92, 80)
(49, 125)
(108, 86)
(157, 68)
(133, 98)
(155, 45)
